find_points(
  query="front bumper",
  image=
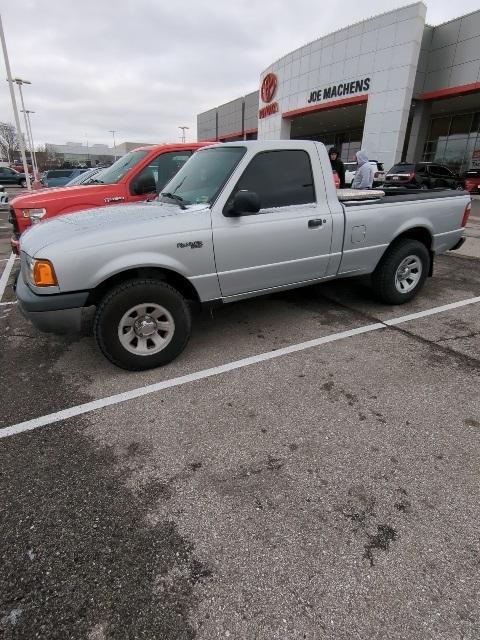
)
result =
(54, 313)
(15, 243)
(15, 239)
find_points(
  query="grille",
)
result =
(12, 218)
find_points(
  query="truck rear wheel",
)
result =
(402, 272)
(142, 324)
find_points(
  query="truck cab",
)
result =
(132, 178)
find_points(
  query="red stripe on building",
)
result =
(451, 91)
(333, 104)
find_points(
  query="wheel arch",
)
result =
(173, 278)
(421, 234)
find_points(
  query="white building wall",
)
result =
(385, 48)
(453, 58)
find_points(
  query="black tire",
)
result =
(119, 301)
(384, 276)
(424, 186)
(23, 184)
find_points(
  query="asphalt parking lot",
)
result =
(325, 493)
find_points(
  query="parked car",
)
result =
(10, 176)
(131, 178)
(3, 197)
(423, 175)
(85, 177)
(472, 181)
(18, 166)
(239, 219)
(378, 173)
(60, 177)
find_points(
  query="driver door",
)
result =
(153, 177)
(6, 176)
(288, 241)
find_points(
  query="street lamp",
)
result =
(30, 135)
(14, 105)
(19, 82)
(113, 132)
(183, 133)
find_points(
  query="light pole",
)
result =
(183, 133)
(19, 82)
(113, 132)
(30, 134)
(14, 106)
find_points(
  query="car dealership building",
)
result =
(392, 84)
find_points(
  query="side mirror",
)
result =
(144, 183)
(244, 203)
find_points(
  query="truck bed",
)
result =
(405, 195)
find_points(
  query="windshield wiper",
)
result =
(95, 181)
(173, 196)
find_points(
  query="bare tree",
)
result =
(8, 141)
(47, 157)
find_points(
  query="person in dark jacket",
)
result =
(337, 165)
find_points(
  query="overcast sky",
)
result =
(143, 67)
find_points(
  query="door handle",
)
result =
(317, 222)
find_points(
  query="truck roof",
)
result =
(171, 145)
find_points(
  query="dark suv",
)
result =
(10, 176)
(422, 175)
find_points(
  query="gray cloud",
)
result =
(143, 67)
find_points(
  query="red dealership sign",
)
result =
(269, 87)
(269, 110)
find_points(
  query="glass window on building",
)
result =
(347, 142)
(452, 140)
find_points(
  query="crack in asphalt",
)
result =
(468, 359)
(468, 335)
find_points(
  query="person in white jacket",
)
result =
(364, 175)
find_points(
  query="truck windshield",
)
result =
(120, 168)
(202, 177)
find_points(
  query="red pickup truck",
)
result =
(140, 172)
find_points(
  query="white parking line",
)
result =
(6, 274)
(431, 312)
(94, 405)
(4, 304)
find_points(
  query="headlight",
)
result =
(41, 272)
(35, 215)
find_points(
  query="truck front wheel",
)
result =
(141, 324)
(402, 272)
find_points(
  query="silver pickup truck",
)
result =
(239, 220)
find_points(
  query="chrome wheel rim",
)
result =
(408, 274)
(146, 329)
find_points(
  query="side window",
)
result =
(160, 170)
(421, 169)
(439, 172)
(279, 178)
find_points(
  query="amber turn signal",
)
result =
(44, 274)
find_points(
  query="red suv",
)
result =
(472, 180)
(141, 172)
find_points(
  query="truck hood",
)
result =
(41, 198)
(101, 225)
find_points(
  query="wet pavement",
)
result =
(326, 494)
